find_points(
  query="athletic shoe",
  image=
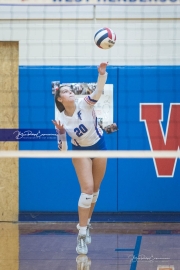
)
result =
(81, 245)
(88, 236)
(83, 262)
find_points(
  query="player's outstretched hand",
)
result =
(59, 126)
(102, 68)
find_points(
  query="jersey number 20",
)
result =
(81, 130)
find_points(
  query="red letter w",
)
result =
(152, 115)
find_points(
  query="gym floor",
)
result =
(120, 246)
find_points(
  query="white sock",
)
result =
(82, 230)
(88, 221)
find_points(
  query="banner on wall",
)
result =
(89, 2)
(104, 106)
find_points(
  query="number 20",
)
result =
(81, 130)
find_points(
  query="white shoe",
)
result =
(83, 262)
(88, 236)
(81, 245)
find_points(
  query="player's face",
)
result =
(66, 95)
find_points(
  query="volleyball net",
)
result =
(44, 44)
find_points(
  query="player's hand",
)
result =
(102, 68)
(59, 126)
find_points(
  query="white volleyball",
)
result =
(105, 38)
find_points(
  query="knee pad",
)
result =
(85, 200)
(95, 196)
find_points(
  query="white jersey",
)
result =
(82, 126)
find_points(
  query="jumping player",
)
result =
(79, 120)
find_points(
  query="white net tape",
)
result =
(85, 154)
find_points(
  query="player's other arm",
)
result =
(100, 82)
(61, 135)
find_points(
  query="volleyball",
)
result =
(105, 38)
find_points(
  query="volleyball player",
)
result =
(79, 120)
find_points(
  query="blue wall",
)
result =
(129, 184)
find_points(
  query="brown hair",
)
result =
(59, 104)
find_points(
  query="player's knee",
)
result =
(87, 188)
(95, 196)
(85, 200)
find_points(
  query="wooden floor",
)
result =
(115, 246)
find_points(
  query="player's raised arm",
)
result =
(100, 82)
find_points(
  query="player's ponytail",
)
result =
(59, 105)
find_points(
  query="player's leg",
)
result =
(83, 168)
(98, 171)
